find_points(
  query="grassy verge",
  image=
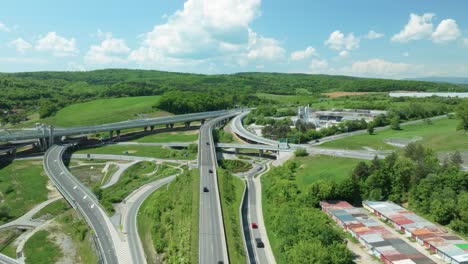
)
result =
(440, 136)
(7, 238)
(235, 165)
(168, 223)
(142, 151)
(105, 111)
(76, 228)
(223, 136)
(231, 189)
(179, 136)
(22, 186)
(133, 178)
(40, 249)
(52, 210)
(89, 175)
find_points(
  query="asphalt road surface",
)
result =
(81, 199)
(212, 240)
(7, 260)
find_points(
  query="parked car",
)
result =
(254, 225)
(259, 243)
(205, 189)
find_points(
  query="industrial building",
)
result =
(449, 247)
(332, 117)
(374, 235)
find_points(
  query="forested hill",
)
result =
(23, 90)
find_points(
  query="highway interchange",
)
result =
(212, 241)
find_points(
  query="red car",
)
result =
(254, 225)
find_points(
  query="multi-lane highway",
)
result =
(15, 135)
(212, 239)
(86, 203)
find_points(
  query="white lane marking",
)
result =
(55, 160)
(74, 188)
(92, 206)
(62, 173)
(84, 198)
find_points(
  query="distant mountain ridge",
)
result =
(455, 80)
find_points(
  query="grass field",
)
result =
(179, 136)
(105, 111)
(168, 223)
(52, 210)
(142, 151)
(230, 190)
(91, 175)
(313, 168)
(288, 99)
(40, 249)
(235, 166)
(22, 186)
(440, 136)
(7, 238)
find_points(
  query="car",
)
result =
(208, 143)
(220, 262)
(254, 225)
(205, 189)
(317, 141)
(210, 171)
(259, 243)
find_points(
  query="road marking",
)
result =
(62, 173)
(92, 206)
(55, 160)
(74, 188)
(84, 198)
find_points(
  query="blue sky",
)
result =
(390, 39)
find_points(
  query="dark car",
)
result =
(259, 243)
(205, 189)
(316, 141)
(210, 171)
(208, 143)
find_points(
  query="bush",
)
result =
(301, 152)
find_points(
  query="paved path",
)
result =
(116, 176)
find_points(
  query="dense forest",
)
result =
(24, 90)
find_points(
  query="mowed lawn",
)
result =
(141, 151)
(106, 111)
(178, 136)
(321, 167)
(440, 136)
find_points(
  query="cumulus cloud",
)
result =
(377, 68)
(20, 45)
(446, 31)
(421, 27)
(340, 41)
(207, 30)
(58, 45)
(374, 35)
(4, 27)
(109, 51)
(303, 54)
(318, 66)
(344, 54)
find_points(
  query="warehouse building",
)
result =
(452, 249)
(376, 237)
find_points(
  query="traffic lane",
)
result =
(259, 252)
(83, 200)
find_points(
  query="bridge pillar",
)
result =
(117, 132)
(202, 121)
(260, 152)
(145, 128)
(51, 135)
(171, 125)
(111, 134)
(187, 124)
(236, 151)
(151, 128)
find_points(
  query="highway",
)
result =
(4, 259)
(15, 135)
(212, 239)
(84, 201)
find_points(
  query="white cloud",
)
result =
(20, 45)
(23, 60)
(446, 31)
(108, 52)
(73, 66)
(303, 54)
(418, 27)
(4, 27)
(405, 54)
(378, 68)
(374, 35)
(58, 45)
(338, 41)
(208, 30)
(318, 66)
(344, 54)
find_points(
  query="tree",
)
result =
(361, 171)
(370, 128)
(46, 108)
(462, 113)
(395, 123)
(192, 148)
(456, 158)
(300, 152)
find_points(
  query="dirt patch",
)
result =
(132, 151)
(52, 191)
(340, 94)
(401, 142)
(64, 242)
